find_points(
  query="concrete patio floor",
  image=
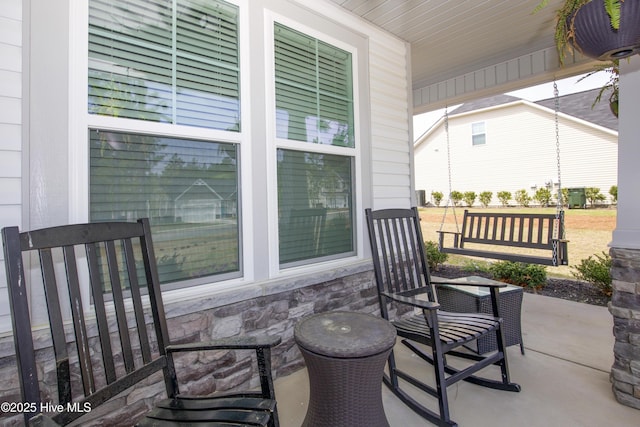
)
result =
(564, 377)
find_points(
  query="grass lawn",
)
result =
(588, 231)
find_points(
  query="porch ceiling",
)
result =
(461, 50)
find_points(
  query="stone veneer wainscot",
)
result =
(625, 308)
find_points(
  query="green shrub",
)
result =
(518, 273)
(437, 197)
(473, 266)
(469, 198)
(613, 191)
(434, 256)
(594, 195)
(485, 198)
(456, 197)
(522, 198)
(504, 197)
(543, 196)
(595, 271)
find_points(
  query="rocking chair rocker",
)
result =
(402, 274)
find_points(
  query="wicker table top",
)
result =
(475, 290)
(345, 334)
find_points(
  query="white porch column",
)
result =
(627, 232)
(625, 247)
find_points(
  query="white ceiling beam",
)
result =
(524, 71)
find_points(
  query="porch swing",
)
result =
(493, 234)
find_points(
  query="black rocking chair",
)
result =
(402, 274)
(122, 314)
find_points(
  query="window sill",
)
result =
(210, 296)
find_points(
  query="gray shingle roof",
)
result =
(579, 105)
(481, 103)
(576, 105)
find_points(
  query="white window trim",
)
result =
(81, 121)
(78, 120)
(274, 143)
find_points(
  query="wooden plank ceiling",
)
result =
(451, 39)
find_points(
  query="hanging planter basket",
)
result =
(594, 36)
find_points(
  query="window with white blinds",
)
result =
(314, 89)
(153, 64)
(162, 61)
(187, 188)
(314, 105)
(315, 193)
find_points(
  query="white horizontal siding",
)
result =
(10, 57)
(9, 165)
(520, 153)
(10, 110)
(10, 131)
(10, 84)
(9, 215)
(10, 136)
(390, 114)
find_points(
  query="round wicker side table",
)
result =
(345, 353)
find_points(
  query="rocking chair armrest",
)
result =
(414, 302)
(240, 343)
(415, 291)
(479, 284)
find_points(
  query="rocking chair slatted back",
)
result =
(407, 300)
(402, 254)
(109, 255)
(118, 309)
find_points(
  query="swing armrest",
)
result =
(456, 238)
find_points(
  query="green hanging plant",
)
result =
(611, 86)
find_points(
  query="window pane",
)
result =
(314, 90)
(478, 135)
(151, 61)
(477, 128)
(315, 216)
(478, 139)
(187, 188)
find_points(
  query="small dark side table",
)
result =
(345, 353)
(475, 299)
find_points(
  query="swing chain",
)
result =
(446, 207)
(556, 94)
(559, 206)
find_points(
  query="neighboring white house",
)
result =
(198, 203)
(505, 143)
